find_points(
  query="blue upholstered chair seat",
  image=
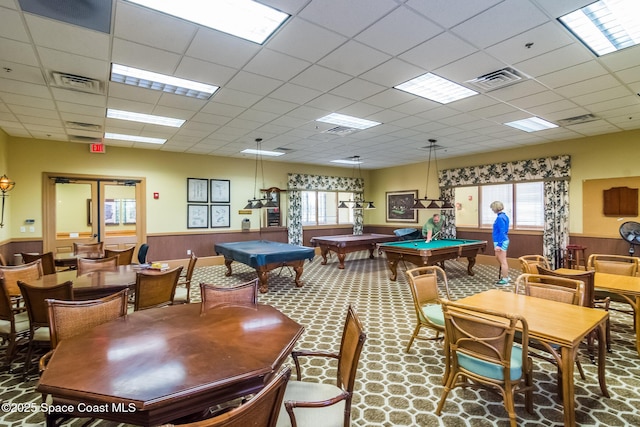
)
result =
(433, 312)
(491, 370)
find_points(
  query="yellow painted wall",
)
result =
(4, 169)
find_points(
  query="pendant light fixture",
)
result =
(261, 200)
(438, 203)
(357, 204)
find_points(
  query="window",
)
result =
(321, 208)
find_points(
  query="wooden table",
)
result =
(157, 365)
(345, 243)
(70, 260)
(626, 286)
(556, 323)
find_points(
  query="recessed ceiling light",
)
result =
(149, 80)
(348, 121)
(246, 19)
(606, 26)
(134, 138)
(261, 152)
(532, 124)
(347, 161)
(436, 88)
(144, 118)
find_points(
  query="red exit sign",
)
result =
(96, 148)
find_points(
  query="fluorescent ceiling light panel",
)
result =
(436, 88)
(134, 138)
(347, 162)
(606, 26)
(262, 152)
(246, 19)
(532, 124)
(149, 80)
(144, 118)
(347, 121)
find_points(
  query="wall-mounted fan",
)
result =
(630, 231)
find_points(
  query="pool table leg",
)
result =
(227, 263)
(392, 262)
(472, 262)
(341, 257)
(324, 250)
(263, 277)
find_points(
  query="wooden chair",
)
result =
(213, 296)
(125, 256)
(261, 410)
(25, 272)
(48, 263)
(616, 264)
(86, 265)
(14, 325)
(423, 283)
(319, 404)
(530, 263)
(2, 260)
(142, 253)
(89, 250)
(483, 353)
(34, 299)
(155, 289)
(183, 289)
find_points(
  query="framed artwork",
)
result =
(220, 190)
(128, 211)
(112, 211)
(399, 206)
(197, 190)
(220, 216)
(89, 212)
(197, 216)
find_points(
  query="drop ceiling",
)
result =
(330, 56)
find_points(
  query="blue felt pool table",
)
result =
(264, 256)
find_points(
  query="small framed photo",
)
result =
(220, 190)
(197, 216)
(220, 216)
(197, 190)
(399, 206)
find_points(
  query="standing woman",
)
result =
(501, 240)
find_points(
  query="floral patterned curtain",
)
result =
(554, 171)
(298, 182)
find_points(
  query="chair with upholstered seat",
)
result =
(25, 272)
(322, 404)
(14, 325)
(155, 289)
(48, 262)
(213, 296)
(530, 263)
(87, 265)
(183, 289)
(482, 352)
(35, 300)
(89, 250)
(2, 260)
(616, 264)
(423, 283)
(125, 256)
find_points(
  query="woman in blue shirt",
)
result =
(501, 240)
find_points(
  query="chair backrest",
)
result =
(155, 289)
(614, 264)
(217, 296)
(552, 288)
(89, 250)
(86, 265)
(186, 279)
(530, 263)
(70, 318)
(142, 253)
(125, 256)
(587, 277)
(6, 307)
(48, 262)
(351, 344)
(25, 272)
(261, 410)
(35, 300)
(2, 260)
(423, 283)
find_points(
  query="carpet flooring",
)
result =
(395, 388)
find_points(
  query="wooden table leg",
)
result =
(636, 311)
(568, 393)
(602, 354)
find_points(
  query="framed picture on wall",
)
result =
(197, 190)
(399, 206)
(197, 216)
(112, 211)
(128, 211)
(220, 190)
(220, 216)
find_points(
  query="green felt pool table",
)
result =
(421, 253)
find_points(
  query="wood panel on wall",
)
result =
(595, 222)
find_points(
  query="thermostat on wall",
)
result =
(29, 221)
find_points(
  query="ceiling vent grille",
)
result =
(497, 79)
(84, 126)
(78, 83)
(577, 120)
(81, 138)
(340, 130)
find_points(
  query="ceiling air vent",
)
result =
(497, 79)
(73, 82)
(340, 130)
(577, 120)
(81, 138)
(84, 126)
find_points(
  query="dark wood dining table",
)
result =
(154, 366)
(70, 259)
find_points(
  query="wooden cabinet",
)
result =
(620, 201)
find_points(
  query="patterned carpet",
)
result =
(395, 388)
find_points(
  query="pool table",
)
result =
(264, 256)
(421, 253)
(345, 243)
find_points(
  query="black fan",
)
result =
(630, 231)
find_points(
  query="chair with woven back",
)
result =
(48, 262)
(482, 352)
(530, 263)
(425, 292)
(89, 250)
(87, 265)
(213, 296)
(155, 289)
(183, 289)
(14, 325)
(125, 256)
(3, 261)
(25, 272)
(315, 404)
(35, 301)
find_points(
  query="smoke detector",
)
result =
(497, 79)
(78, 83)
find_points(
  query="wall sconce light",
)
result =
(357, 204)
(438, 203)
(6, 185)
